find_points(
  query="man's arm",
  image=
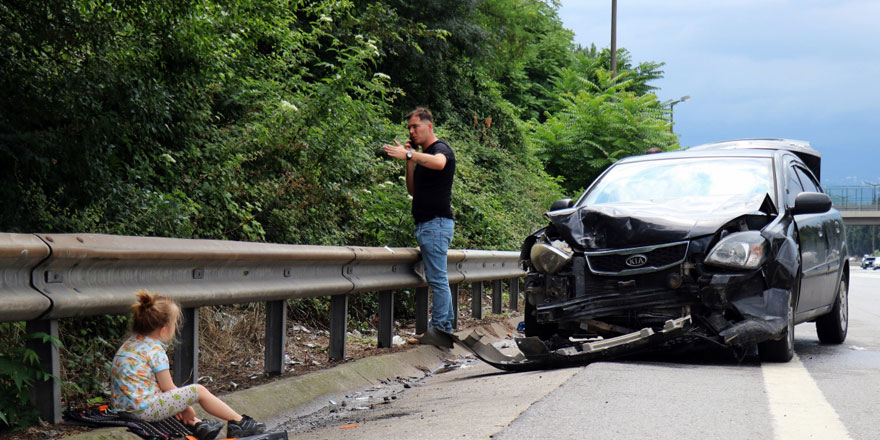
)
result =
(410, 180)
(431, 161)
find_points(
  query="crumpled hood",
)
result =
(642, 223)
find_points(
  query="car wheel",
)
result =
(781, 350)
(831, 328)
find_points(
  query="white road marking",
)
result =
(798, 407)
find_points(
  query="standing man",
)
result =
(429, 175)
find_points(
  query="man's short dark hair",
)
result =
(423, 114)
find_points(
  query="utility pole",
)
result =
(613, 38)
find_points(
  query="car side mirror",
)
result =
(561, 204)
(811, 203)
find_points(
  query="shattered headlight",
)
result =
(741, 250)
(549, 259)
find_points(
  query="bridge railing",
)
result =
(854, 198)
(47, 277)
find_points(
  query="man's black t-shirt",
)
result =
(433, 188)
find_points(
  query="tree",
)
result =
(598, 125)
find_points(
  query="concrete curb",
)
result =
(279, 399)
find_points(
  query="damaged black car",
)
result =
(732, 243)
(726, 245)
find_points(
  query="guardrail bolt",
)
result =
(198, 274)
(286, 273)
(54, 277)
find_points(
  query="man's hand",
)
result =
(396, 151)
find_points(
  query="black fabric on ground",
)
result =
(170, 428)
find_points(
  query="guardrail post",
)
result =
(276, 336)
(386, 318)
(421, 310)
(477, 300)
(186, 351)
(496, 297)
(454, 289)
(338, 326)
(514, 294)
(46, 395)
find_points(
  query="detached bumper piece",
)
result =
(535, 355)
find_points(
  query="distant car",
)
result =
(733, 243)
(868, 262)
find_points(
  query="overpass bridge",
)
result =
(859, 205)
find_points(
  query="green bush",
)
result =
(19, 369)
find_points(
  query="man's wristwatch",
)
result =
(408, 155)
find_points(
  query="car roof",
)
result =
(795, 146)
(766, 147)
(811, 158)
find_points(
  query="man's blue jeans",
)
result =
(434, 238)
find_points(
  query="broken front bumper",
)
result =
(535, 355)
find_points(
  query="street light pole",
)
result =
(613, 38)
(671, 105)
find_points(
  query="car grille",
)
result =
(614, 262)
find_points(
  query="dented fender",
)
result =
(766, 318)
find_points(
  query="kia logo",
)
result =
(636, 260)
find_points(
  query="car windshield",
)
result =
(666, 179)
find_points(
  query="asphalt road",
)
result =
(826, 392)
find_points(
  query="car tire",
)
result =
(831, 328)
(781, 350)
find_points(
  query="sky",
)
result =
(805, 69)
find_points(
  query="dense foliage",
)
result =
(862, 240)
(262, 120)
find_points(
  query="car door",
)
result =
(834, 237)
(813, 247)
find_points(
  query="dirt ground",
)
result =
(229, 362)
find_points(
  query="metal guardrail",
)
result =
(46, 277)
(19, 254)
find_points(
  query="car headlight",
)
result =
(548, 259)
(741, 250)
